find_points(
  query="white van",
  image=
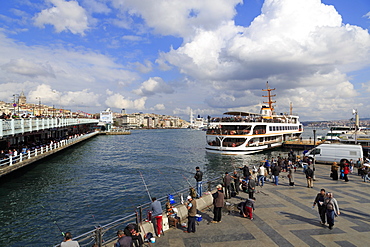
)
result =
(329, 153)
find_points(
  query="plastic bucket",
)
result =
(198, 217)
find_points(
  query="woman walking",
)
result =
(332, 209)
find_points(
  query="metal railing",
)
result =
(30, 153)
(103, 235)
(20, 126)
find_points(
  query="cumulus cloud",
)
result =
(47, 95)
(64, 15)
(143, 68)
(177, 17)
(158, 107)
(28, 68)
(119, 101)
(153, 86)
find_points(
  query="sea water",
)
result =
(98, 181)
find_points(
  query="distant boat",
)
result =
(336, 131)
(246, 133)
(197, 123)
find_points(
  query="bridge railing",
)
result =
(30, 153)
(20, 126)
(107, 233)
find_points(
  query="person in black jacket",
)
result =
(319, 200)
(309, 177)
(198, 177)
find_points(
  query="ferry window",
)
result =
(270, 128)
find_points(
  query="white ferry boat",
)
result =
(247, 133)
(336, 131)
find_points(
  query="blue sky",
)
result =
(168, 57)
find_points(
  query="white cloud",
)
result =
(119, 101)
(143, 68)
(28, 68)
(64, 15)
(178, 17)
(158, 107)
(153, 86)
(49, 96)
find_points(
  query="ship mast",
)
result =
(270, 102)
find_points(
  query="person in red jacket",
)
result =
(346, 171)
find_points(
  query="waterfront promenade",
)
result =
(284, 217)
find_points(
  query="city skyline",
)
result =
(169, 57)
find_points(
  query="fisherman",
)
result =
(132, 230)
(198, 177)
(227, 184)
(218, 203)
(236, 183)
(123, 240)
(157, 211)
(192, 211)
(68, 242)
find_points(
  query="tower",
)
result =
(22, 99)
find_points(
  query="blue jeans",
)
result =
(276, 180)
(199, 188)
(330, 215)
(261, 180)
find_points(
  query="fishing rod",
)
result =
(190, 185)
(178, 193)
(146, 187)
(48, 212)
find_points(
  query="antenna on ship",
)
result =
(291, 109)
(270, 102)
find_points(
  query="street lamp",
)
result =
(14, 102)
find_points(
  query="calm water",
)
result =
(98, 181)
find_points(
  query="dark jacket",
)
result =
(309, 173)
(218, 199)
(198, 176)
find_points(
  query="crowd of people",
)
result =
(247, 182)
(24, 148)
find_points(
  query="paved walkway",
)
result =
(284, 217)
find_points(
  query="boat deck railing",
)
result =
(105, 234)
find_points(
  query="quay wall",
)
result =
(182, 213)
(40, 154)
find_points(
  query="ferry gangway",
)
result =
(10, 127)
(106, 235)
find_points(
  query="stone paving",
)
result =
(284, 217)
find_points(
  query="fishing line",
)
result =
(146, 187)
(50, 216)
(178, 193)
(190, 184)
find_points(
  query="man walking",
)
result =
(157, 211)
(198, 177)
(236, 178)
(227, 184)
(218, 203)
(192, 211)
(309, 176)
(261, 175)
(319, 200)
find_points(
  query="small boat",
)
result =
(246, 133)
(336, 131)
